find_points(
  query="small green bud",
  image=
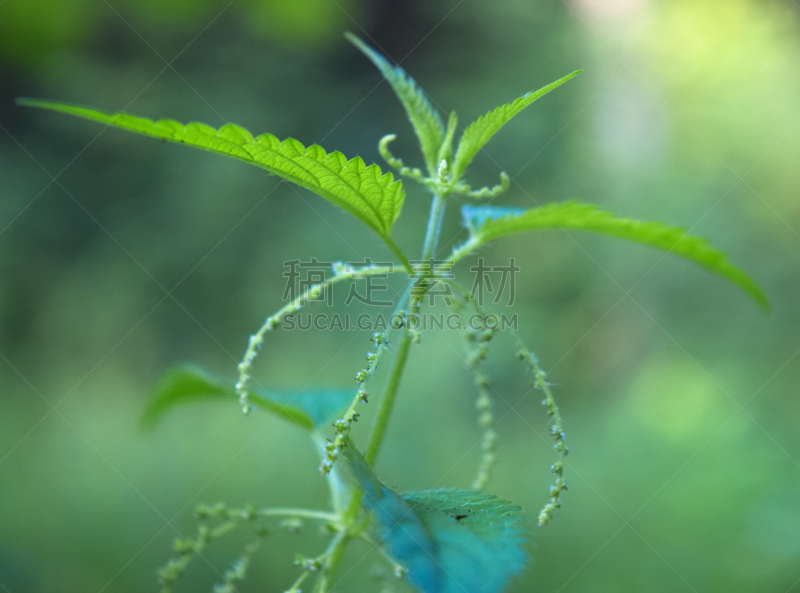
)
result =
(203, 535)
(182, 546)
(489, 441)
(309, 564)
(201, 511)
(545, 515)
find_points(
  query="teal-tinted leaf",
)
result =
(319, 406)
(451, 541)
(424, 117)
(367, 193)
(475, 216)
(586, 217)
(187, 384)
(479, 132)
(477, 537)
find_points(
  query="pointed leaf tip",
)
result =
(479, 132)
(487, 223)
(425, 118)
(372, 196)
(189, 384)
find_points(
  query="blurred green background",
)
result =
(679, 396)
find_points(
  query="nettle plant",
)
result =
(437, 541)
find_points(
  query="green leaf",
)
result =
(189, 384)
(451, 541)
(475, 216)
(424, 117)
(488, 223)
(479, 132)
(367, 193)
(446, 151)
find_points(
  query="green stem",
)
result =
(400, 255)
(434, 227)
(387, 404)
(298, 513)
(336, 547)
(556, 427)
(376, 439)
(464, 250)
(325, 580)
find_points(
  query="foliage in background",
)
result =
(654, 419)
(445, 540)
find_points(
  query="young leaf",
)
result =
(424, 117)
(446, 151)
(451, 541)
(188, 384)
(490, 223)
(479, 132)
(367, 193)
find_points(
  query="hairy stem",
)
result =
(464, 250)
(274, 321)
(387, 404)
(434, 227)
(556, 427)
(350, 515)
